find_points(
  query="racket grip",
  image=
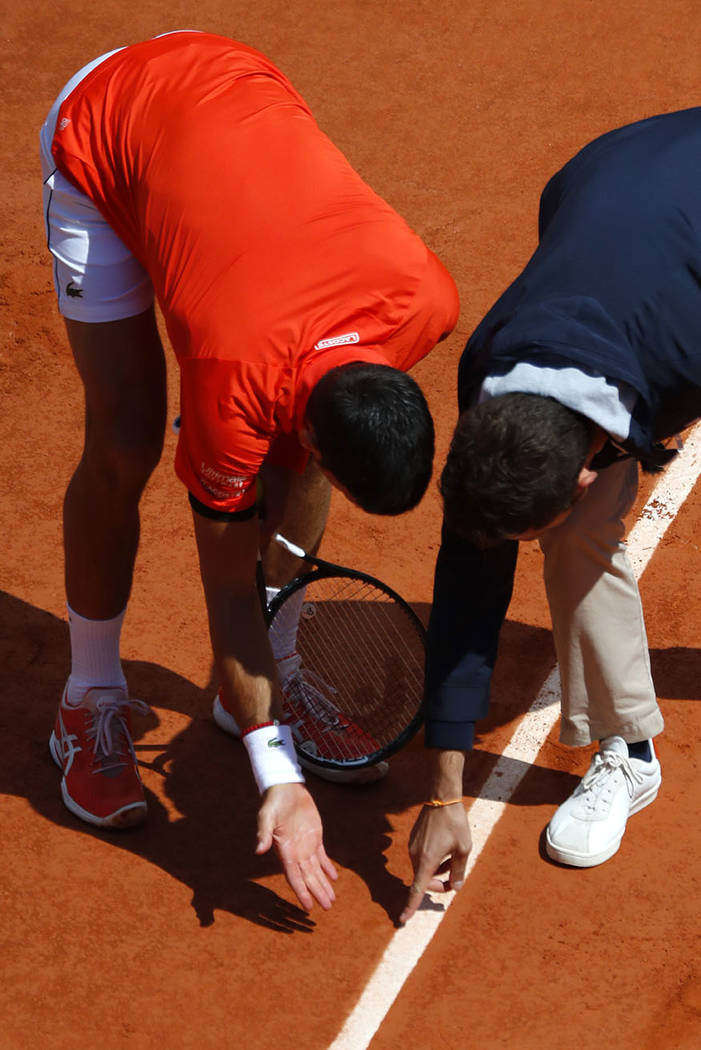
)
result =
(291, 547)
(260, 585)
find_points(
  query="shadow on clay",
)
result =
(208, 845)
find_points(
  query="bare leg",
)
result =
(122, 367)
(303, 523)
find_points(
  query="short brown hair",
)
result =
(513, 465)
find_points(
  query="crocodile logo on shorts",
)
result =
(73, 292)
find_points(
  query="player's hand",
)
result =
(440, 842)
(289, 820)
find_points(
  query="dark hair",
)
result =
(374, 432)
(513, 465)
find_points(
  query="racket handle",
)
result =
(291, 547)
(260, 585)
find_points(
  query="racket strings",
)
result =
(379, 631)
(363, 648)
(312, 690)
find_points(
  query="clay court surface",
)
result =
(175, 935)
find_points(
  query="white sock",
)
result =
(283, 633)
(94, 655)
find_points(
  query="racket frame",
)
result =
(322, 569)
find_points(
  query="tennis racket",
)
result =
(353, 687)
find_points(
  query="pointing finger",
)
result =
(417, 892)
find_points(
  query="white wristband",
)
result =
(273, 757)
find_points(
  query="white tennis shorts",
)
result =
(95, 275)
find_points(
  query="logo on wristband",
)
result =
(276, 742)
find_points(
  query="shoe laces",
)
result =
(312, 691)
(604, 765)
(113, 747)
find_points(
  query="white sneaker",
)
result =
(587, 829)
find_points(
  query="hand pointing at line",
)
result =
(440, 841)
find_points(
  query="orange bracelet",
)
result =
(436, 802)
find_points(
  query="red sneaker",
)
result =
(92, 745)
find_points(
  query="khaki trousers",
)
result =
(597, 617)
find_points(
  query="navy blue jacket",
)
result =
(614, 287)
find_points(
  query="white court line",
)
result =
(409, 943)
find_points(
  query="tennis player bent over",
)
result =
(295, 300)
